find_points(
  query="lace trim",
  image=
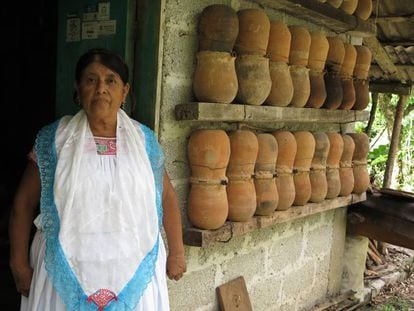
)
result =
(59, 271)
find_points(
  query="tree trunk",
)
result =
(372, 113)
(395, 140)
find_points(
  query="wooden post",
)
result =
(395, 140)
(372, 113)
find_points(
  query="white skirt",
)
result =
(43, 297)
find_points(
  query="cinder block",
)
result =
(285, 253)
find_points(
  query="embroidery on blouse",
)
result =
(57, 266)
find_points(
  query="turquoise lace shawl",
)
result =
(59, 271)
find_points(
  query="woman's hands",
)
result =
(22, 278)
(176, 266)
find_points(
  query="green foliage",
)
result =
(377, 160)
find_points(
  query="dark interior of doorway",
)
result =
(28, 66)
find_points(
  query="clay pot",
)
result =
(215, 78)
(348, 99)
(361, 94)
(362, 63)
(241, 196)
(254, 29)
(301, 86)
(345, 166)
(267, 154)
(287, 148)
(208, 154)
(303, 159)
(254, 79)
(349, 6)
(332, 165)
(218, 28)
(318, 51)
(279, 42)
(364, 9)
(317, 174)
(335, 3)
(349, 62)
(267, 197)
(317, 89)
(281, 92)
(207, 206)
(359, 162)
(244, 148)
(336, 54)
(299, 46)
(334, 91)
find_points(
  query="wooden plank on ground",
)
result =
(233, 296)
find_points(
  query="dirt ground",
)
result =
(397, 296)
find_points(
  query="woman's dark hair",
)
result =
(107, 58)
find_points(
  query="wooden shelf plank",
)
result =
(246, 113)
(323, 14)
(204, 238)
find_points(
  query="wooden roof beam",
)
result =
(392, 19)
(390, 87)
(382, 58)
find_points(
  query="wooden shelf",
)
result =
(203, 238)
(323, 14)
(246, 113)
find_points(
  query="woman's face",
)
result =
(101, 91)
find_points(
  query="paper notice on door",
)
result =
(90, 30)
(73, 29)
(104, 10)
(107, 28)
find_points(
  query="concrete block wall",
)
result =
(290, 266)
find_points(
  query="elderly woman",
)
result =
(104, 194)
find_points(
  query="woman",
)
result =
(103, 193)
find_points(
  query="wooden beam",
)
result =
(390, 87)
(392, 19)
(247, 113)
(397, 43)
(322, 14)
(382, 58)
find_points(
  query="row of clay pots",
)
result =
(237, 175)
(359, 8)
(253, 80)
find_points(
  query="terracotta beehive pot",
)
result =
(345, 166)
(301, 86)
(363, 9)
(287, 148)
(218, 28)
(348, 99)
(244, 148)
(349, 62)
(318, 51)
(349, 6)
(215, 78)
(317, 90)
(317, 174)
(332, 164)
(207, 205)
(359, 162)
(241, 194)
(253, 75)
(334, 91)
(362, 62)
(208, 154)
(336, 54)
(303, 159)
(335, 3)
(254, 29)
(267, 197)
(299, 46)
(361, 94)
(279, 42)
(281, 91)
